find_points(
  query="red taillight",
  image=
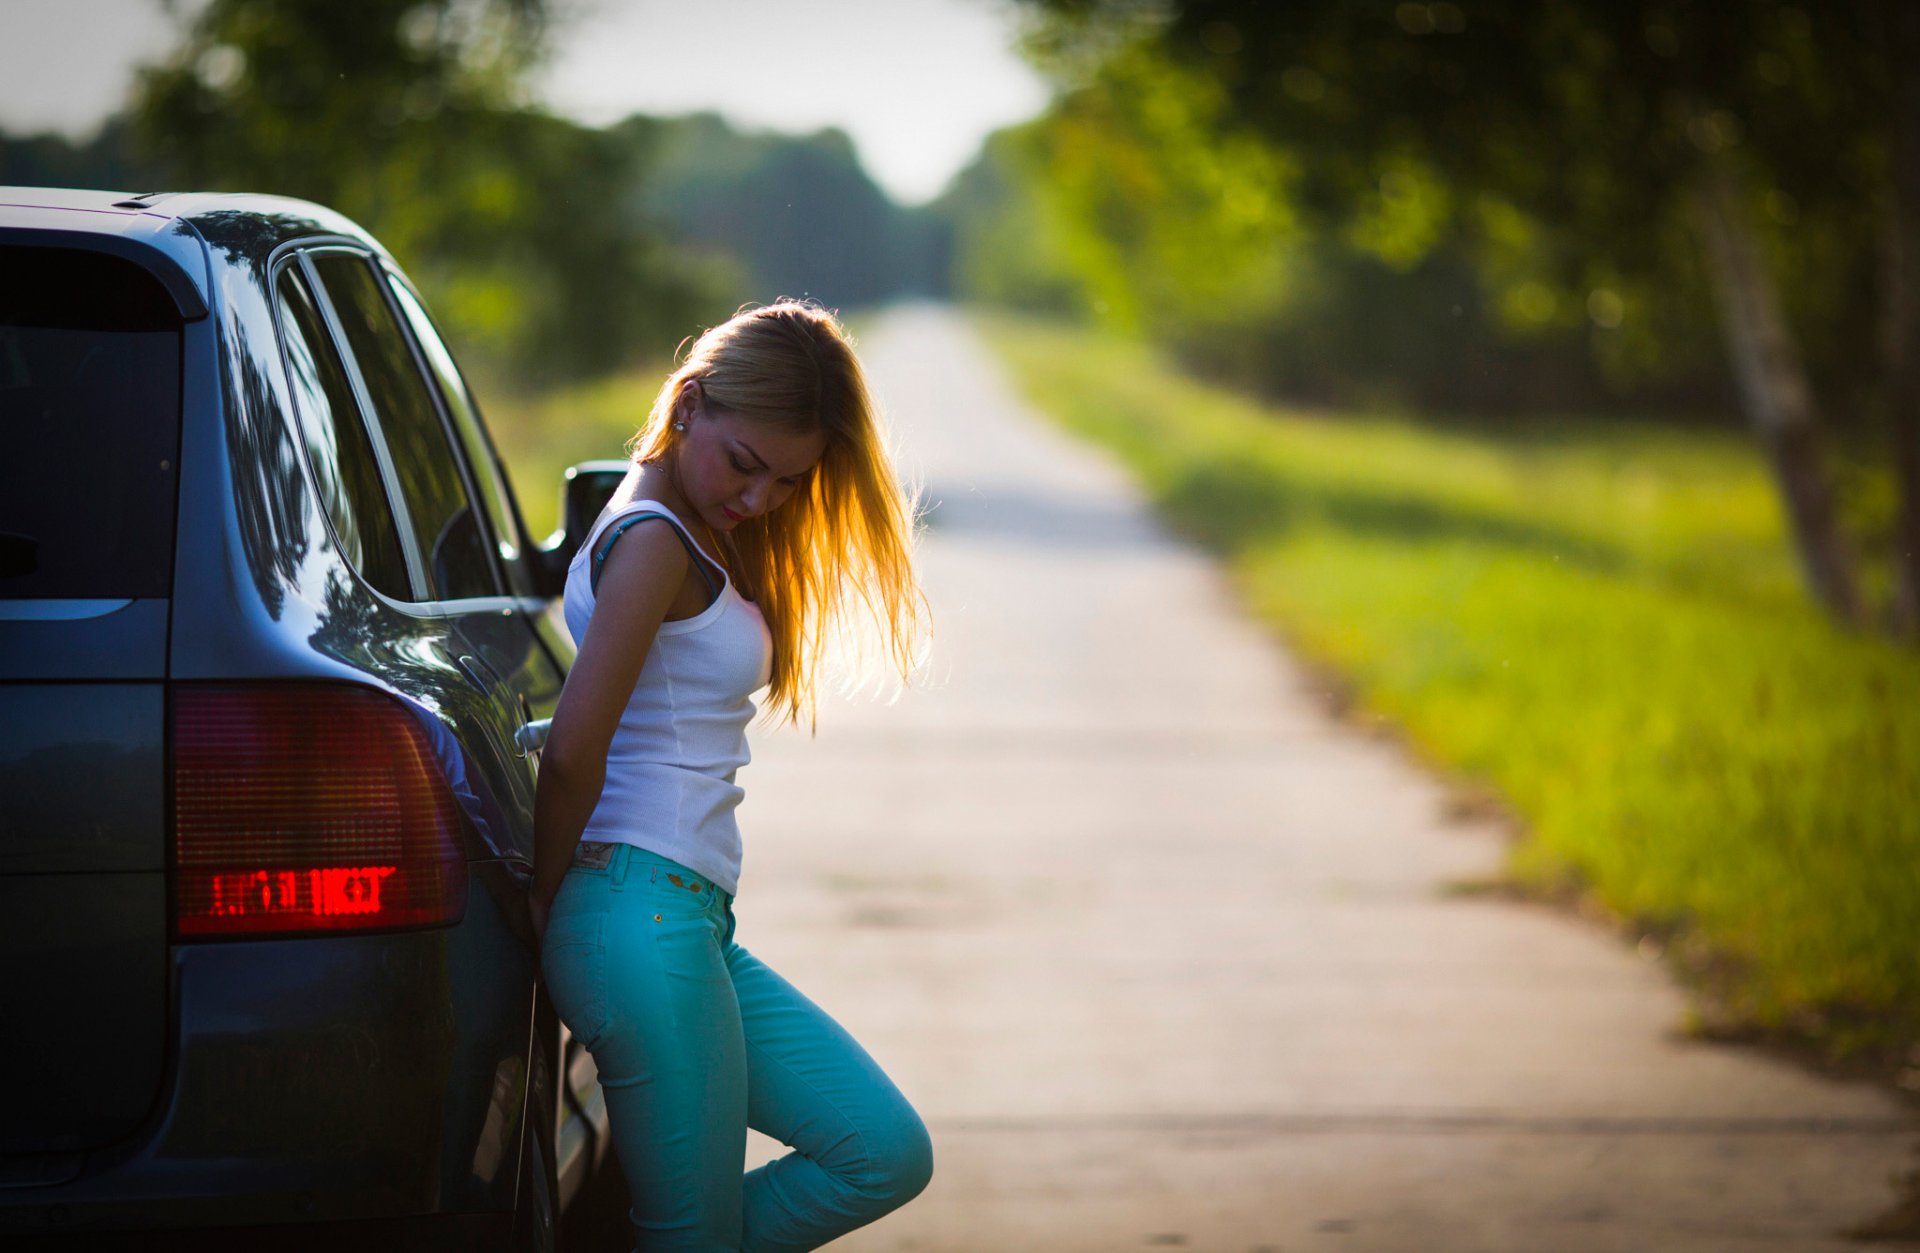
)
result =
(308, 807)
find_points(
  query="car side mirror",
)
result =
(584, 492)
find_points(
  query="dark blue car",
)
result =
(275, 659)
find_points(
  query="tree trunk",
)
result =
(1773, 383)
(1903, 311)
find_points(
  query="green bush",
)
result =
(540, 435)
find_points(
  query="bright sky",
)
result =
(916, 83)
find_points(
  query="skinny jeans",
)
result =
(697, 1040)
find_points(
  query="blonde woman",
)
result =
(759, 507)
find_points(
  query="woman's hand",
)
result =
(539, 906)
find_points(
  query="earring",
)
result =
(679, 426)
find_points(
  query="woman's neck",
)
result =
(656, 482)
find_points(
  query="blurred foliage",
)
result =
(306, 95)
(539, 436)
(1481, 205)
(1170, 217)
(785, 215)
(1600, 620)
(1139, 202)
(406, 115)
(1004, 250)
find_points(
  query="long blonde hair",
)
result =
(846, 534)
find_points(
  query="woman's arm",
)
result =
(641, 576)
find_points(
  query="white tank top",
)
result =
(670, 769)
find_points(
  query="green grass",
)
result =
(1601, 620)
(540, 436)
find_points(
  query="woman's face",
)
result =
(731, 468)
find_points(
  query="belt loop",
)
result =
(620, 857)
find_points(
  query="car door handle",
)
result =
(532, 736)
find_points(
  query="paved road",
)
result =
(1165, 955)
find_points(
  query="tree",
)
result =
(103, 161)
(1902, 282)
(1605, 126)
(797, 215)
(330, 101)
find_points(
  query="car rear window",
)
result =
(89, 426)
(344, 462)
(445, 523)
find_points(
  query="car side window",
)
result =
(447, 527)
(495, 497)
(344, 462)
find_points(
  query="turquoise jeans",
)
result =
(697, 1040)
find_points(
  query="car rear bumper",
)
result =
(345, 1079)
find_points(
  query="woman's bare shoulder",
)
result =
(645, 556)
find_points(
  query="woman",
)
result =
(760, 505)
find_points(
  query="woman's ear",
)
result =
(687, 404)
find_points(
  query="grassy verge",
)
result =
(540, 436)
(1602, 623)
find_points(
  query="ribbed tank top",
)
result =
(670, 768)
